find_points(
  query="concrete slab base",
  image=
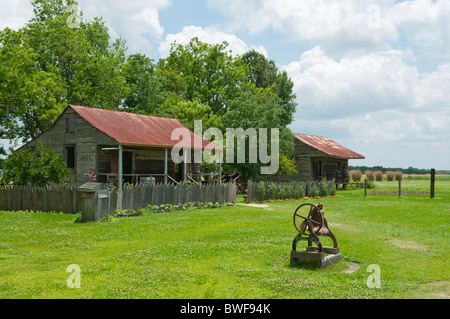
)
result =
(323, 260)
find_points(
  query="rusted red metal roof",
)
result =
(133, 129)
(328, 146)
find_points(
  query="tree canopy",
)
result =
(59, 58)
(46, 65)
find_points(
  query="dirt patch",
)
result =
(409, 244)
(352, 267)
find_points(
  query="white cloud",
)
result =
(336, 89)
(334, 25)
(378, 102)
(432, 93)
(389, 137)
(207, 35)
(149, 17)
(135, 21)
(426, 25)
(342, 27)
(14, 14)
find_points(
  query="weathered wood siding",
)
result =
(84, 137)
(313, 164)
(71, 130)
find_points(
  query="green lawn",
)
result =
(233, 252)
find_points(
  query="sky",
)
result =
(372, 75)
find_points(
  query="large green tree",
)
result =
(145, 92)
(28, 95)
(57, 58)
(205, 73)
(209, 75)
(157, 91)
(79, 52)
(265, 74)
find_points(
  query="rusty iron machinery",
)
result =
(312, 228)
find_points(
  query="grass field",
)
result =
(233, 252)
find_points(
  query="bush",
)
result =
(39, 167)
(379, 176)
(281, 192)
(294, 190)
(165, 208)
(370, 176)
(127, 213)
(261, 192)
(331, 188)
(355, 175)
(272, 191)
(323, 188)
(299, 191)
(398, 176)
(313, 190)
(390, 176)
(289, 190)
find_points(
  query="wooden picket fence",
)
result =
(68, 199)
(65, 199)
(139, 196)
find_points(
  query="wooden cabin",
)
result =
(316, 158)
(91, 138)
(320, 157)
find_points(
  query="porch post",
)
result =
(166, 164)
(184, 166)
(120, 189)
(220, 167)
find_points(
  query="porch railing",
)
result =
(142, 178)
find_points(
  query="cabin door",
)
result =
(127, 166)
(330, 172)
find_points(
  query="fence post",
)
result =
(95, 203)
(166, 164)
(399, 187)
(249, 191)
(433, 181)
(365, 188)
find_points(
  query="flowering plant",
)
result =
(91, 174)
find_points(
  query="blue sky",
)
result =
(372, 75)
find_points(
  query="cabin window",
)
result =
(70, 124)
(69, 156)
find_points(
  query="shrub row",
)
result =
(168, 208)
(294, 190)
(356, 175)
(164, 208)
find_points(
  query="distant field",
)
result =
(439, 177)
(233, 252)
